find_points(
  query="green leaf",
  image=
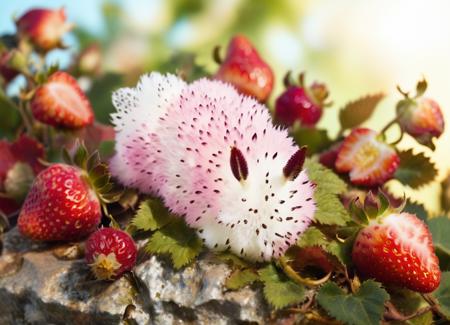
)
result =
(442, 294)
(177, 240)
(408, 302)
(415, 170)
(279, 290)
(421, 87)
(241, 278)
(330, 210)
(416, 208)
(232, 260)
(357, 112)
(316, 140)
(342, 251)
(10, 120)
(102, 104)
(440, 228)
(325, 178)
(312, 237)
(362, 308)
(151, 215)
(106, 149)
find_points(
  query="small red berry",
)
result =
(61, 102)
(246, 70)
(397, 249)
(61, 205)
(328, 157)
(43, 27)
(296, 105)
(110, 252)
(7, 72)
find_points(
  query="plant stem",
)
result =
(391, 123)
(25, 118)
(393, 314)
(434, 306)
(290, 272)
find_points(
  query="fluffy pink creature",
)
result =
(215, 158)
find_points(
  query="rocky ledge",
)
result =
(42, 284)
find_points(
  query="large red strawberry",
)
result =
(397, 249)
(43, 27)
(369, 161)
(110, 252)
(61, 205)
(301, 103)
(246, 70)
(61, 102)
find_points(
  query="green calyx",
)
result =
(317, 91)
(374, 207)
(404, 105)
(96, 173)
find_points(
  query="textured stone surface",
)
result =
(40, 288)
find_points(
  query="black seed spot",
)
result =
(264, 226)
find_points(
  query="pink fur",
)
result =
(174, 140)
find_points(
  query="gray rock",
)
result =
(38, 288)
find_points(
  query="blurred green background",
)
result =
(355, 46)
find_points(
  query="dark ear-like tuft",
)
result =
(295, 164)
(238, 164)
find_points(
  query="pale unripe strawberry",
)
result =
(422, 119)
(19, 163)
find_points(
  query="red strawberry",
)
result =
(329, 156)
(244, 69)
(369, 161)
(110, 252)
(8, 206)
(397, 249)
(422, 119)
(61, 205)
(61, 102)
(43, 27)
(6, 71)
